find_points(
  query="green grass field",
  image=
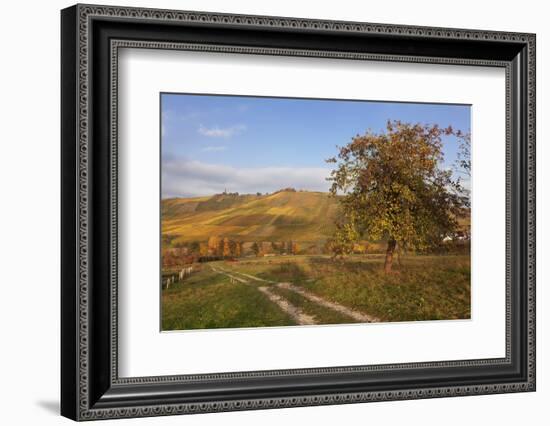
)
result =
(227, 294)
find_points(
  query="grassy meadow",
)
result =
(224, 294)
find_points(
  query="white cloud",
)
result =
(221, 132)
(214, 148)
(194, 178)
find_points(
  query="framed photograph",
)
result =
(263, 212)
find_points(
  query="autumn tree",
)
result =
(393, 188)
(291, 247)
(342, 242)
(238, 249)
(203, 251)
(464, 160)
(213, 244)
(168, 259)
(256, 248)
(194, 247)
(233, 247)
(226, 251)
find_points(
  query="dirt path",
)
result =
(292, 310)
(296, 313)
(356, 315)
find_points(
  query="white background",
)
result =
(29, 225)
(142, 346)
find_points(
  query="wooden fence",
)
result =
(177, 277)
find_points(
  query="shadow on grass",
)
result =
(401, 263)
(355, 264)
(426, 287)
(286, 271)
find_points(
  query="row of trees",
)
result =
(227, 247)
(224, 247)
(236, 194)
(172, 258)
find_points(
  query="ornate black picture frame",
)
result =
(91, 36)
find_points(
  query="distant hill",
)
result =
(286, 215)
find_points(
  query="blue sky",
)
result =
(249, 144)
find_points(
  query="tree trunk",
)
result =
(389, 255)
